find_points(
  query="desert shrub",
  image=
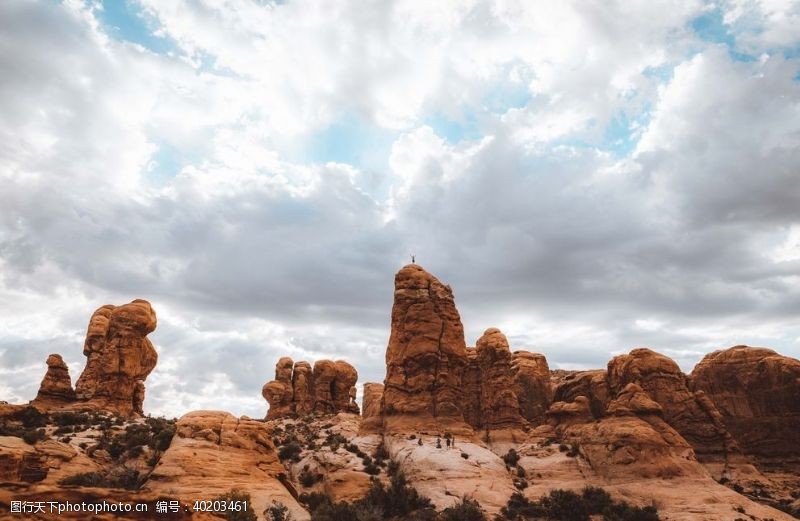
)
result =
(352, 447)
(242, 515)
(278, 512)
(306, 477)
(465, 510)
(380, 452)
(566, 505)
(562, 447)
(520, 483)
(511, 458)
(123, 477)
(334, 441)
(393, 468)
(521, 472)
(574, 450)
(372, 469)
(86, 479)
(31, 436)
(71, 418)
(31, 418)
(397, 501)
(290, 451)
(465, 455)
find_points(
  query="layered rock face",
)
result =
(426, 356)
(491, 385)
(119, 357)
(213, 452)
(532, 384)
(372, 417)
(690, 413)
(297, 389)
(757, 392)
(56, 386)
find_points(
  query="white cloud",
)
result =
(181, 177)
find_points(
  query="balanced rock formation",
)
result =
(757, 392)
(56, 386)
(297, 389)
(426, 356)
(119, 358)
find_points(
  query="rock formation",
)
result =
(119, 357)
(426, 355)
(371, 414)
(297, 389)
(213, 452)
(690, 413)
(757, 392)
(490, 384)
(532, 384)
(56, 386)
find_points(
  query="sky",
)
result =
(588, 176)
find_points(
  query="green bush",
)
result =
(464, 510)
(242, 515)
(123, 477)
(566, 505)
(31, 436)
(278, 512)
(307, 478)
(290, 451)
(397, 501)
(511, 458)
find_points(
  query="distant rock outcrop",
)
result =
(56, 387)
(757, 392)
(426, 356)
(298, 390)
(503, 389)
(690, 413)
(119, 358)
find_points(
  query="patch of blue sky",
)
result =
(352, 140)
(167, 162)
(710, 27)
(622, 133)
(506, 96)
(663, 73)
(126, 20)
(455, 130)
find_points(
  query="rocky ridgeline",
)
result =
(485, 422)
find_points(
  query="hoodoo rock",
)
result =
(494, 383)
(426, 355)
(56, 386)
(757, 392)
(690, 413)
(298, 390)
(119, 358)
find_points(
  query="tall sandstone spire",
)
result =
(426, 356)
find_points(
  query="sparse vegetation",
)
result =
(278, 512)
(307, 478)
(291, 451)
(566, 505)
(120, 477)
(235, 495)
(465, 510)
(396, 501)
(511, 458)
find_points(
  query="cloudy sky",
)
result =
(588, 176)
